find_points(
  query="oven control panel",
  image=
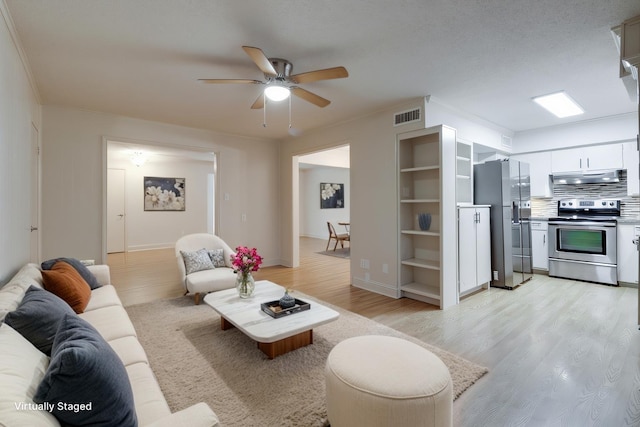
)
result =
(580, 204)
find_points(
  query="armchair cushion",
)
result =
(197, 261)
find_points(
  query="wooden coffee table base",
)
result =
(280, 347)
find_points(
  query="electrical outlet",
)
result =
(364, 263)
(495, 275)
(244, 217)
(367, 276)
(385, 268)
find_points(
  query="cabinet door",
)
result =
(540, 255)
(627, 254)
(539, 170)
(483, 247)
(467, 249)
(630, 156)
(568, 160)
(602, 157)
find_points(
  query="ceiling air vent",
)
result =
(405, 117)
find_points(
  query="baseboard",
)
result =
(150, 247)
(377, 287)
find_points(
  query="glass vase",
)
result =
(245, 284)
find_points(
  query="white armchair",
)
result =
(207, 279)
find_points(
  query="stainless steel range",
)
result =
(583, 240)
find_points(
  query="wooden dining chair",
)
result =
(339, 238)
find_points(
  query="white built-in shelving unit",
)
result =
(427, 165)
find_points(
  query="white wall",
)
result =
(313, 220)
(154, 229)
(373, 191)
(620, 128)
(74, 169)
(19, 110)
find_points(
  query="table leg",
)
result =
(278, 348)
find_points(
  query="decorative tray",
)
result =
(273, 309)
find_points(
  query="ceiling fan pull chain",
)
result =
(289, 112)
(264, 111)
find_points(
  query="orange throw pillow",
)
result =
(64, 281)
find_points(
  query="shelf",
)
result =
(420, 201)
(421, 168)
(463, 177)
(429, 291)
(421, 232)
(422, 263)
(466, 159)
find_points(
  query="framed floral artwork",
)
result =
(164, 194)
(331, 195)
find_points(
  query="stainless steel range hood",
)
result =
(596, 177)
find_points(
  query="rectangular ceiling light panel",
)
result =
(560, 104)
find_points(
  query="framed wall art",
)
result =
(331, 195)
(164, 194)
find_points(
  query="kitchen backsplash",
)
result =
(548, 206)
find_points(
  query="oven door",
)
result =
(583, 241)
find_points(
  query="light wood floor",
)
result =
(559, 352)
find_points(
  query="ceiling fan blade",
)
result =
(259, 103)
(310, 97)
(261, 60)
(326, 74)
(222, 81)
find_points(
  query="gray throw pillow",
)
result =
(38, 316)
(217, 257)
(86, 382)
(82, 269)
(197, 260)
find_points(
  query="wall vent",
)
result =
(506, 141)
(405, 117)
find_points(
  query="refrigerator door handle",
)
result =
(514, 213)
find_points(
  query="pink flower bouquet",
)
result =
(246, 260)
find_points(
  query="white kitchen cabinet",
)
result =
(464, 171)
(591, 158)
(539, 245)
(474, 248)
(539, 169)
(426, 185)
(627, 253)
(631, 161)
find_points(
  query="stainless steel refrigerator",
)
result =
(505, 185)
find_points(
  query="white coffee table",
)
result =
(274, 336)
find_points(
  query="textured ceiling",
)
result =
(142, 58)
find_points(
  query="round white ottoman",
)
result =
(385, 381)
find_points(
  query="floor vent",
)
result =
(405, 117)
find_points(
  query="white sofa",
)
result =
(22, 366)
(209, 280)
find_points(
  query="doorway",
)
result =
(129, 223)
(317, 171)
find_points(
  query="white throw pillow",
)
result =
(217, 257)
(22, 367)
(197, 260)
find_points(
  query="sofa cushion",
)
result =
(22, 367)
(38, 316)
(196, 260)
(104, 296)
(77, 265)
(112, 322)
(217, 257)
(84, 370)
(150, 402)
(64, 281)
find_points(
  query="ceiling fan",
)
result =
(279, 81)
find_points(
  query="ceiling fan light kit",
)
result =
(280, 83)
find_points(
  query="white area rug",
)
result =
(194, 361)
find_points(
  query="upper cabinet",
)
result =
(464, 171)
(587, 158)
(631, 160)
(540, 169)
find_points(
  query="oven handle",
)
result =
(583, 223)
(573, 261)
